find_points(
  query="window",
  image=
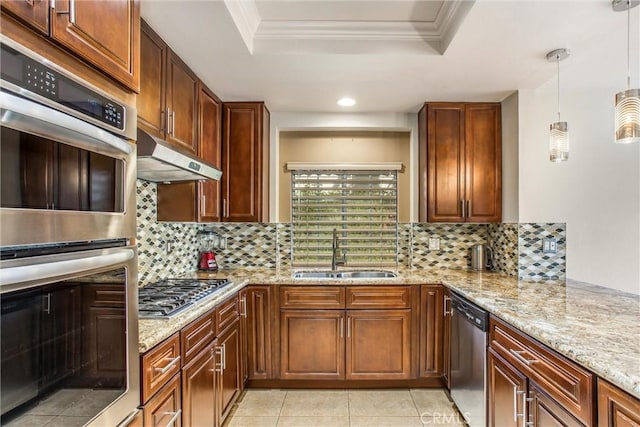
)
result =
(360, 204)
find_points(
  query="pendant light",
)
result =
(627, 116)
(559, 131)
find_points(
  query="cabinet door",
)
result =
(378, 344)
(164, 408)
(483, 163)
(210, 150)
(151, 100)
(104, 33)
(445, 162)
(198, 389)
(245, 157)
(34, 13)
(319, 358)
(546, 412)
(507, 390)
(616, 408)
(230, 381)
(431, 331)
(258, 339)
(60, 334)
(182, 90)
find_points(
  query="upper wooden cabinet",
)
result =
(106, 34)
(167, 104)
(197, 201)
(460, 162)
(245, 162)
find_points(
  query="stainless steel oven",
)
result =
(68, 267)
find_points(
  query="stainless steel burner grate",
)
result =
(168, 297)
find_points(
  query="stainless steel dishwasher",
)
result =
(469, 326)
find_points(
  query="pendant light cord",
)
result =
(628, 44)
(558, 62)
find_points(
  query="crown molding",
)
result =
(247, 19)
(347, 36)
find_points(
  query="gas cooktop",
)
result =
(168, 297)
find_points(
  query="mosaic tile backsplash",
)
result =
(533, 264)
(171, 249)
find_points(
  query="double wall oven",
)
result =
(68, 268)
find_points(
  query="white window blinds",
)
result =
(360, 204)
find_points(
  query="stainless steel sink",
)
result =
(355, 274)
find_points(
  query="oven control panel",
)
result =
(38, 78)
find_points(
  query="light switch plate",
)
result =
(549, 245)
(434, 243)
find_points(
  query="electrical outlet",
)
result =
(549, 245)
(434, 243)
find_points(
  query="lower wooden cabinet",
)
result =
(431, 359)
(258, 338)
(355, 344)
(319, 358)
(616, 408)
(196, 373)
(507, 393)
(546, 412)
(230, 382)
(164, 409)
(199, 389)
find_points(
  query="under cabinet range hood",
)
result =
(158, 161)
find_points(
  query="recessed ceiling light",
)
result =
(346, 102)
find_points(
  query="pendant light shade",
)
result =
(559, 142)
(627, 115)
(558, 131)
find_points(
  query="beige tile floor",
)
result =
(344, 408)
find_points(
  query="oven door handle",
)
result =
(29, 116)
(28, 272)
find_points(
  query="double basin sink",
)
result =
(355, 274)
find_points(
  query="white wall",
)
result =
(597, 192)
(510, 177)
(346, 121)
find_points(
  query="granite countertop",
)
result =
(597, 327)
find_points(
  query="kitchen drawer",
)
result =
(197, 335)
(160, 364)
(378, 297)
(105, 295)
(563, 380)
(227, 312)
(164, 409)
(316, 297)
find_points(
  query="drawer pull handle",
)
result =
(220, 366)
(518, 355)
(243, 302)
(173, 418)
(447, 303)
(168, 366)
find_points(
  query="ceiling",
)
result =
(393, 55)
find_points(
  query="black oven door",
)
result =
(68, 336)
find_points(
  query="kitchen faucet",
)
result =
(334, 255)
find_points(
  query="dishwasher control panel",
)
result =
(469, 311)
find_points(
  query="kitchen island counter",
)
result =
(597, 327)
